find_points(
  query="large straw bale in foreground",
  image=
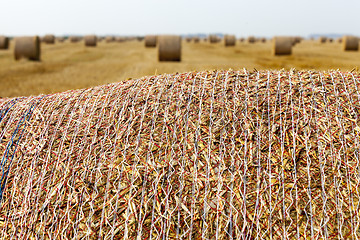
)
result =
(282, 46)
(350, 43)
(4, 42)
(150, 40)
(220, 154)
(169, 48)
(27, 47)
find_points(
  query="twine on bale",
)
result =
(4, 42)
(150, 40)
(90, 40)
(282, 46)
(197, 155)
(230, 40)
(350, 43)
(169, 48)
(27, 47)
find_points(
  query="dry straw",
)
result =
(27, 47)
(197, 155)
(350, 43)
(48, 39)
(4, 42)
(90, 40)
(282, 46)
(230, 40)
(169, 48)
(150, 41)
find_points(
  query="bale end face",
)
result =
(169, 48)
(282, 46)
(90, 41)
(350, 43)
(27, 47)
(4, 42)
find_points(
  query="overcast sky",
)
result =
(140, 17)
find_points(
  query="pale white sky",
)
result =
(140, 17)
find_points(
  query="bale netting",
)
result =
(48, 39)
(282, 46)
(150, 40)
(350, 43)
(90, 40)
(28, 48)
(211, 155)
(169, 48)
(4, 42)
(230, 40)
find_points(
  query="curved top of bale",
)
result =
(182, 147)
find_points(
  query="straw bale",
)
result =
(27, 47)
(169, 48)
(251, 39)
(350, 43)
(214, 38)
(230, 40)
(322, 39)
(196, 39)
(196, 155)
(150, 41)
(282, 46)
(48, 39)
(4, 42)
(75, 39)
(90, 40)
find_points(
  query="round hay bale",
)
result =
(110, 39)
(48, 39)
(242, 39)
(27, 47)
(150, 41)
(60, 39)
(263, 40)
(169, 48)
(120, 39)
(196, 39)
(244, 153)
(251, 39)
(282, 46)
(230, 40)
(350, 43)
(74, 39)
(90, 40)
(188, 39)
(4, 42)
(322, 39)
(214, 38)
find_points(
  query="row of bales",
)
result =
(169, 46)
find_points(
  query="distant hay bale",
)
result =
(4, 42)
(330, 40)
(169, 48)
(196, 39)
(251, 39)
(48, 39)
(188, 39)
(322, 39)
(263, 40)
(230, 40)
(109, 39)
(74, 39)
(339, 40)
(90, 40)
(60, 39)
(27, 47)
(120, 39)
(242, 39)
(214, 38)
(150, 40)
(350, 43)
(282, 46)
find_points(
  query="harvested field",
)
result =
(212, 154)
(68, 65)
